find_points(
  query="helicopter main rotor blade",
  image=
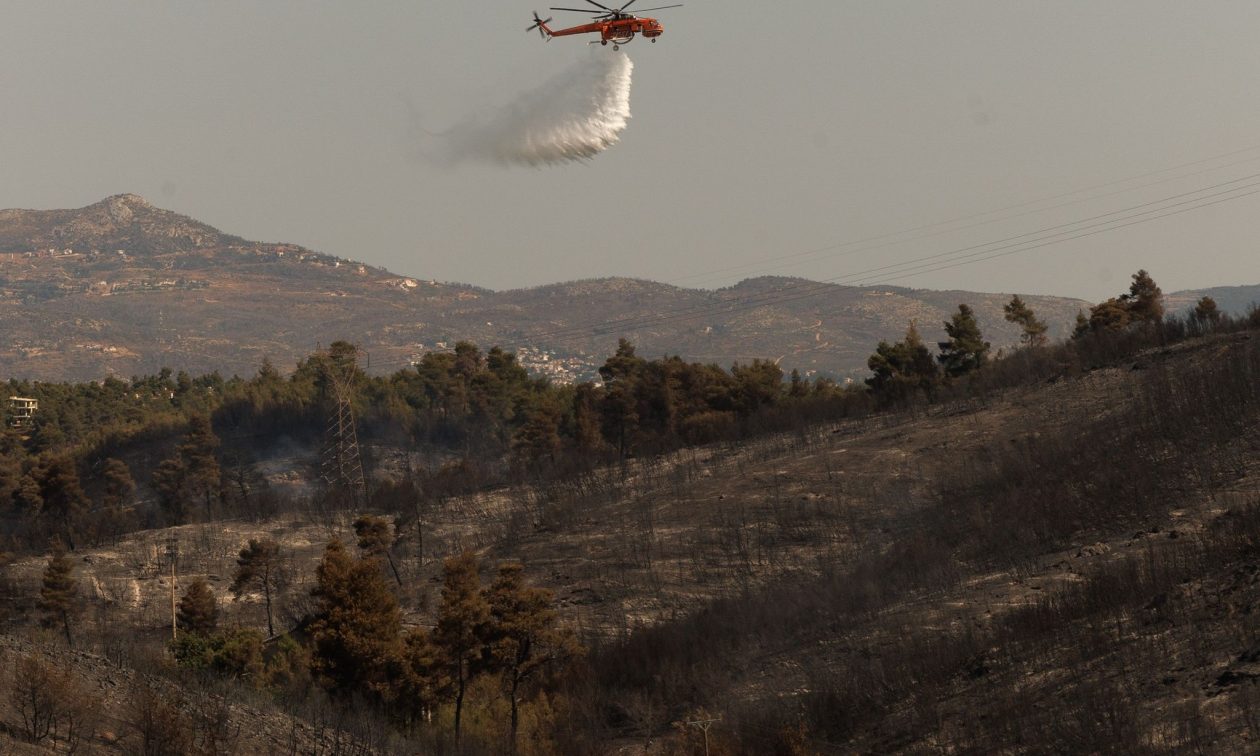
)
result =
(579, 10)
(605, 7)
(622, 9)
(662, 7)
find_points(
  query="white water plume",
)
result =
(573, 117)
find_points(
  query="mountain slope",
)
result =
(121, 287)
(124, 221)
(1232, 299)
(904, 582)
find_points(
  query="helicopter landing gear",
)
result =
(603, 42)
(653, 40)
(616, 47)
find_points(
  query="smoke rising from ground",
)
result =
(573, 117)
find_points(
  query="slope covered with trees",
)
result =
(1049, 548)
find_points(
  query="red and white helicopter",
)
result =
(611, 24)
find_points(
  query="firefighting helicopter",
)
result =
(611, 24)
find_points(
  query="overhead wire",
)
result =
(1083, 221)
(930, 263)
(862, 276)
(1112, 226)
(944, 227)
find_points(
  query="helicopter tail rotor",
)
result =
(541, 25)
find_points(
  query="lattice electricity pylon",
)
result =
(342, 467)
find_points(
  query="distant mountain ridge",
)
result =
(121, 287)
(1236, 300)
(124, 221)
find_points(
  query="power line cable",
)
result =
(1003, 252)
(763, 269)
(1079, 223)
(977, 254)
(938, 225)
(770, 297)
(1024, 247)
(1082, 236)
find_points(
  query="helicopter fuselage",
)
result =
(618, 31)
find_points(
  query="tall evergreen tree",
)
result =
(1034, 330)
(538, 440)
(1145, 300)
(1206, 313)
(59, 591)
(198, 611)
(586, 419)
(168, 484)
(10, 478)
(1111, 315)
(524, 636)
(63, 497)
(461, 628)
(623, 365)
(902, 368)
(757, 385)
(8, 592)
(198, 453)
(415, 686)
(192, 473)
(966, 350)
(28, 499)
(1081, 326)
(798, 387)
(619, 416)
(258, 567)
(48, 436)
(619, 409)
(119, 489)
(356, 628)
(376, 540)
(119, 485)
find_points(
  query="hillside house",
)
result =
(22, 411)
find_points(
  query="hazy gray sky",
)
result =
(759, 130)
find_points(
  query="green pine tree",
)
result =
(901, 369)
(356, 629)
(619, 408)
(192, 473)
(461, 628)
(1206, 313)
(1034, 330)
(59, 591)
(119, 485)
(258, 567)
(1111, 315)
(966, 350)
(1145, 300)
(416, 684)
(1081, 327)
(198, 610)
(538, 439)
(524, 636)
(376, 540)
(201, 464)
(64, 502)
